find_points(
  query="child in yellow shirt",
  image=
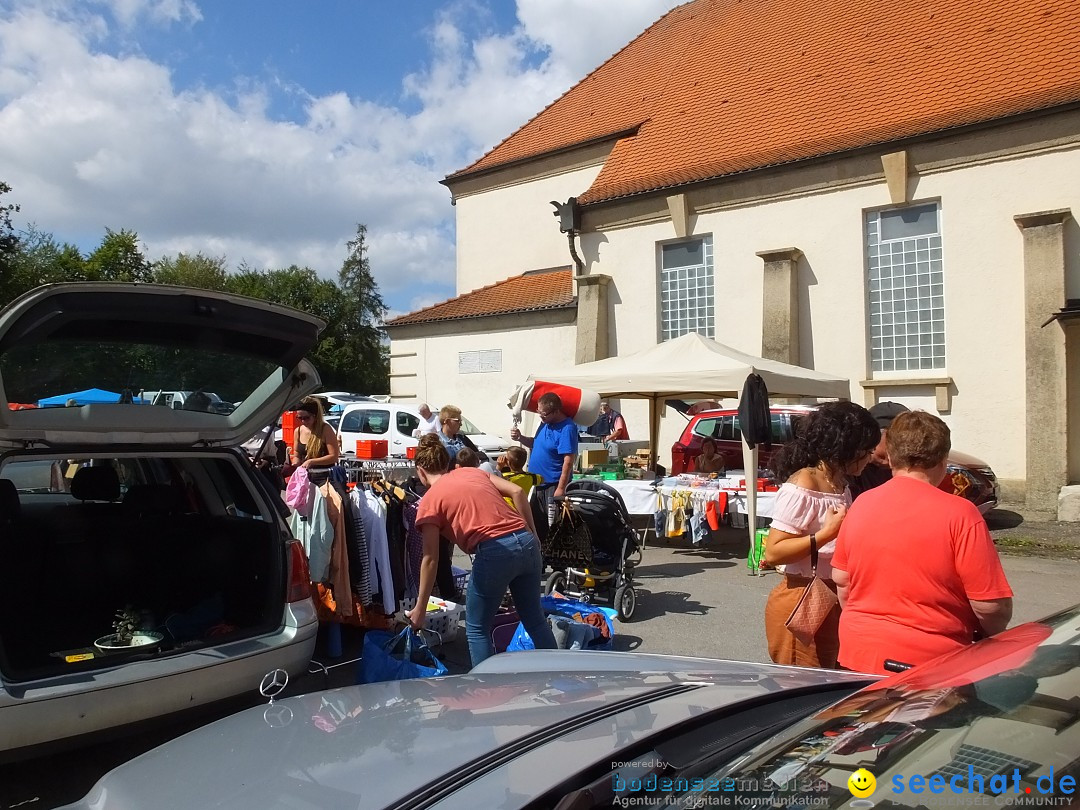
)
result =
(512, 466)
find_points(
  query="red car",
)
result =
(967, 476)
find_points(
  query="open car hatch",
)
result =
(76, 358)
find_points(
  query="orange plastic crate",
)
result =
(371, 448)
(289, 423)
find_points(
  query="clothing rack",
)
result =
(363, 470)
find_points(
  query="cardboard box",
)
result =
(371, 448)
(592, 458)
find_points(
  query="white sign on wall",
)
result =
(478, 362)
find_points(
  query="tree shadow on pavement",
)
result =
(678, 569)
(658, 603)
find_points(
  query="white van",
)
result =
(395, 422)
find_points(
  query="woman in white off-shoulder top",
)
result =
(831, 444)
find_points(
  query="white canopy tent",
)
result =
(694, 366)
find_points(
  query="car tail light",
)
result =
(299, 573)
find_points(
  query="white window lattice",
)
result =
(686, 289)
(906, 289)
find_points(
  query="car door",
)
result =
(405, 424)
(362, 424)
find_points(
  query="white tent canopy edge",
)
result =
(693, 366)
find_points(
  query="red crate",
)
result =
(410, 452)
(289, 423)
(371, 448)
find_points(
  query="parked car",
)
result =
(337, 400)
(394, 422)
(152, 511)
(966, 476)
(186, 400)
(588, 730)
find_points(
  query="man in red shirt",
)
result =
(915, 567)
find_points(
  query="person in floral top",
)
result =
(831, 444)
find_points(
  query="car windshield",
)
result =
(469, 429)
(1005, 725)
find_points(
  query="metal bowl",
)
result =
(142, 641)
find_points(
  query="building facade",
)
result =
(906, 222)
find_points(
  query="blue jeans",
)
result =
(511, 561)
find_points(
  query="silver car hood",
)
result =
(373, 746)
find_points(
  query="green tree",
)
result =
(204, 272)
(118, 258)
(9, 243)
(40, 259)
(364, 361)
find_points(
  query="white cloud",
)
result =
(95, 139)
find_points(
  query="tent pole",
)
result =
(750, 459)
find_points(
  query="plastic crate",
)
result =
(443, 618)
(461, 579)
(371, 448)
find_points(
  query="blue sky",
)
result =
(263, 131)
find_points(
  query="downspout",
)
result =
(569, 214)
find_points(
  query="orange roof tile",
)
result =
(717, 87)
(547, 289)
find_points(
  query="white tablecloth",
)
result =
(641, 497)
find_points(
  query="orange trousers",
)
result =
(784, 648)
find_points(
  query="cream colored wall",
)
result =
(508, 231)
(983, 287)
(482, 397)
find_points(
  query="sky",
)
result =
(265, 131)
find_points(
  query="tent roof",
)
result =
(694, 365)
(89, 396)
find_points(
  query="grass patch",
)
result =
(1021, 542)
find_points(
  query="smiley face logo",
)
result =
(862, 783)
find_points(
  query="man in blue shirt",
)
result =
(554, 450)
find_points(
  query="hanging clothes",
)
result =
(373, 511)
(339, 553)
(359, 566)
(755, 421)
(316, 533)
(414, 549)
(395, 543)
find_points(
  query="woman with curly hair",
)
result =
(466, 504)
(832, 443)
(314, 445)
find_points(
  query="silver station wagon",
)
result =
(119, 506)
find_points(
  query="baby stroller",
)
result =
(593, 548)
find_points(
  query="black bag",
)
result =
(569, 541)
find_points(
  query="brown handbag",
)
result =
(815, 604)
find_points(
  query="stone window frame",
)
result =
(905, 295)
(687, 293)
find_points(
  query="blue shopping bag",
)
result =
(390, 657)
(567, 608)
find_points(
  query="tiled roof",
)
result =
(718, 87)
(549, 289)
